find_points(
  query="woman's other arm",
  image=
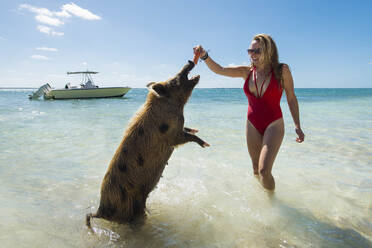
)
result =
(292, 101)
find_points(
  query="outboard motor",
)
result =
(41, 91)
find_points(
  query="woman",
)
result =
(265, 80)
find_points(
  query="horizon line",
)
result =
(3, 88)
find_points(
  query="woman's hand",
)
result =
(300, 134)
(199, 49)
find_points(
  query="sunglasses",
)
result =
(256, 51)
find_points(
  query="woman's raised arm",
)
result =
(231, 71)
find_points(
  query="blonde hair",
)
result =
(270, 54)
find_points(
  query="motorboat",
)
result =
(87, 89)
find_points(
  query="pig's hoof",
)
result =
(205, 144)
(193, 131)
(190, 130)
(87, 220)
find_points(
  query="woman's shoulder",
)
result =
(247, 70)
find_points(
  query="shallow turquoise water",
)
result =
(53, 156)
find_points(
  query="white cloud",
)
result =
(85, 63)
(370, 63)
(49, 20)
(48, 49)
(48, 30)
(80, 12)
(2, 38)
(53, 18)
(66, 12)
(39, 11)
(39, 57)
(57, 33)
(62, 13)
(44, 29)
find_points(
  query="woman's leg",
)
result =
(254, 144)
(272, 139)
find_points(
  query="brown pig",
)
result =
(148, 143)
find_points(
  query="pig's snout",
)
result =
(190, 66)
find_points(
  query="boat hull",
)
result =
(105, 92)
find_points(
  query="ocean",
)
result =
(54, 154)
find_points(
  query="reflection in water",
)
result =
(326, 233)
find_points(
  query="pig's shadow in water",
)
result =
(326, 233)
(160, 233)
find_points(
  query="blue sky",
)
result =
(328, 44)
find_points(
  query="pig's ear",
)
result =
(158, 89)
(149, 85)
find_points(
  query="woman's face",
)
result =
(255, 52)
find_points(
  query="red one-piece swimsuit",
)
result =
(264, 109)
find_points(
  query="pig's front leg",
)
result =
(185, 137)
